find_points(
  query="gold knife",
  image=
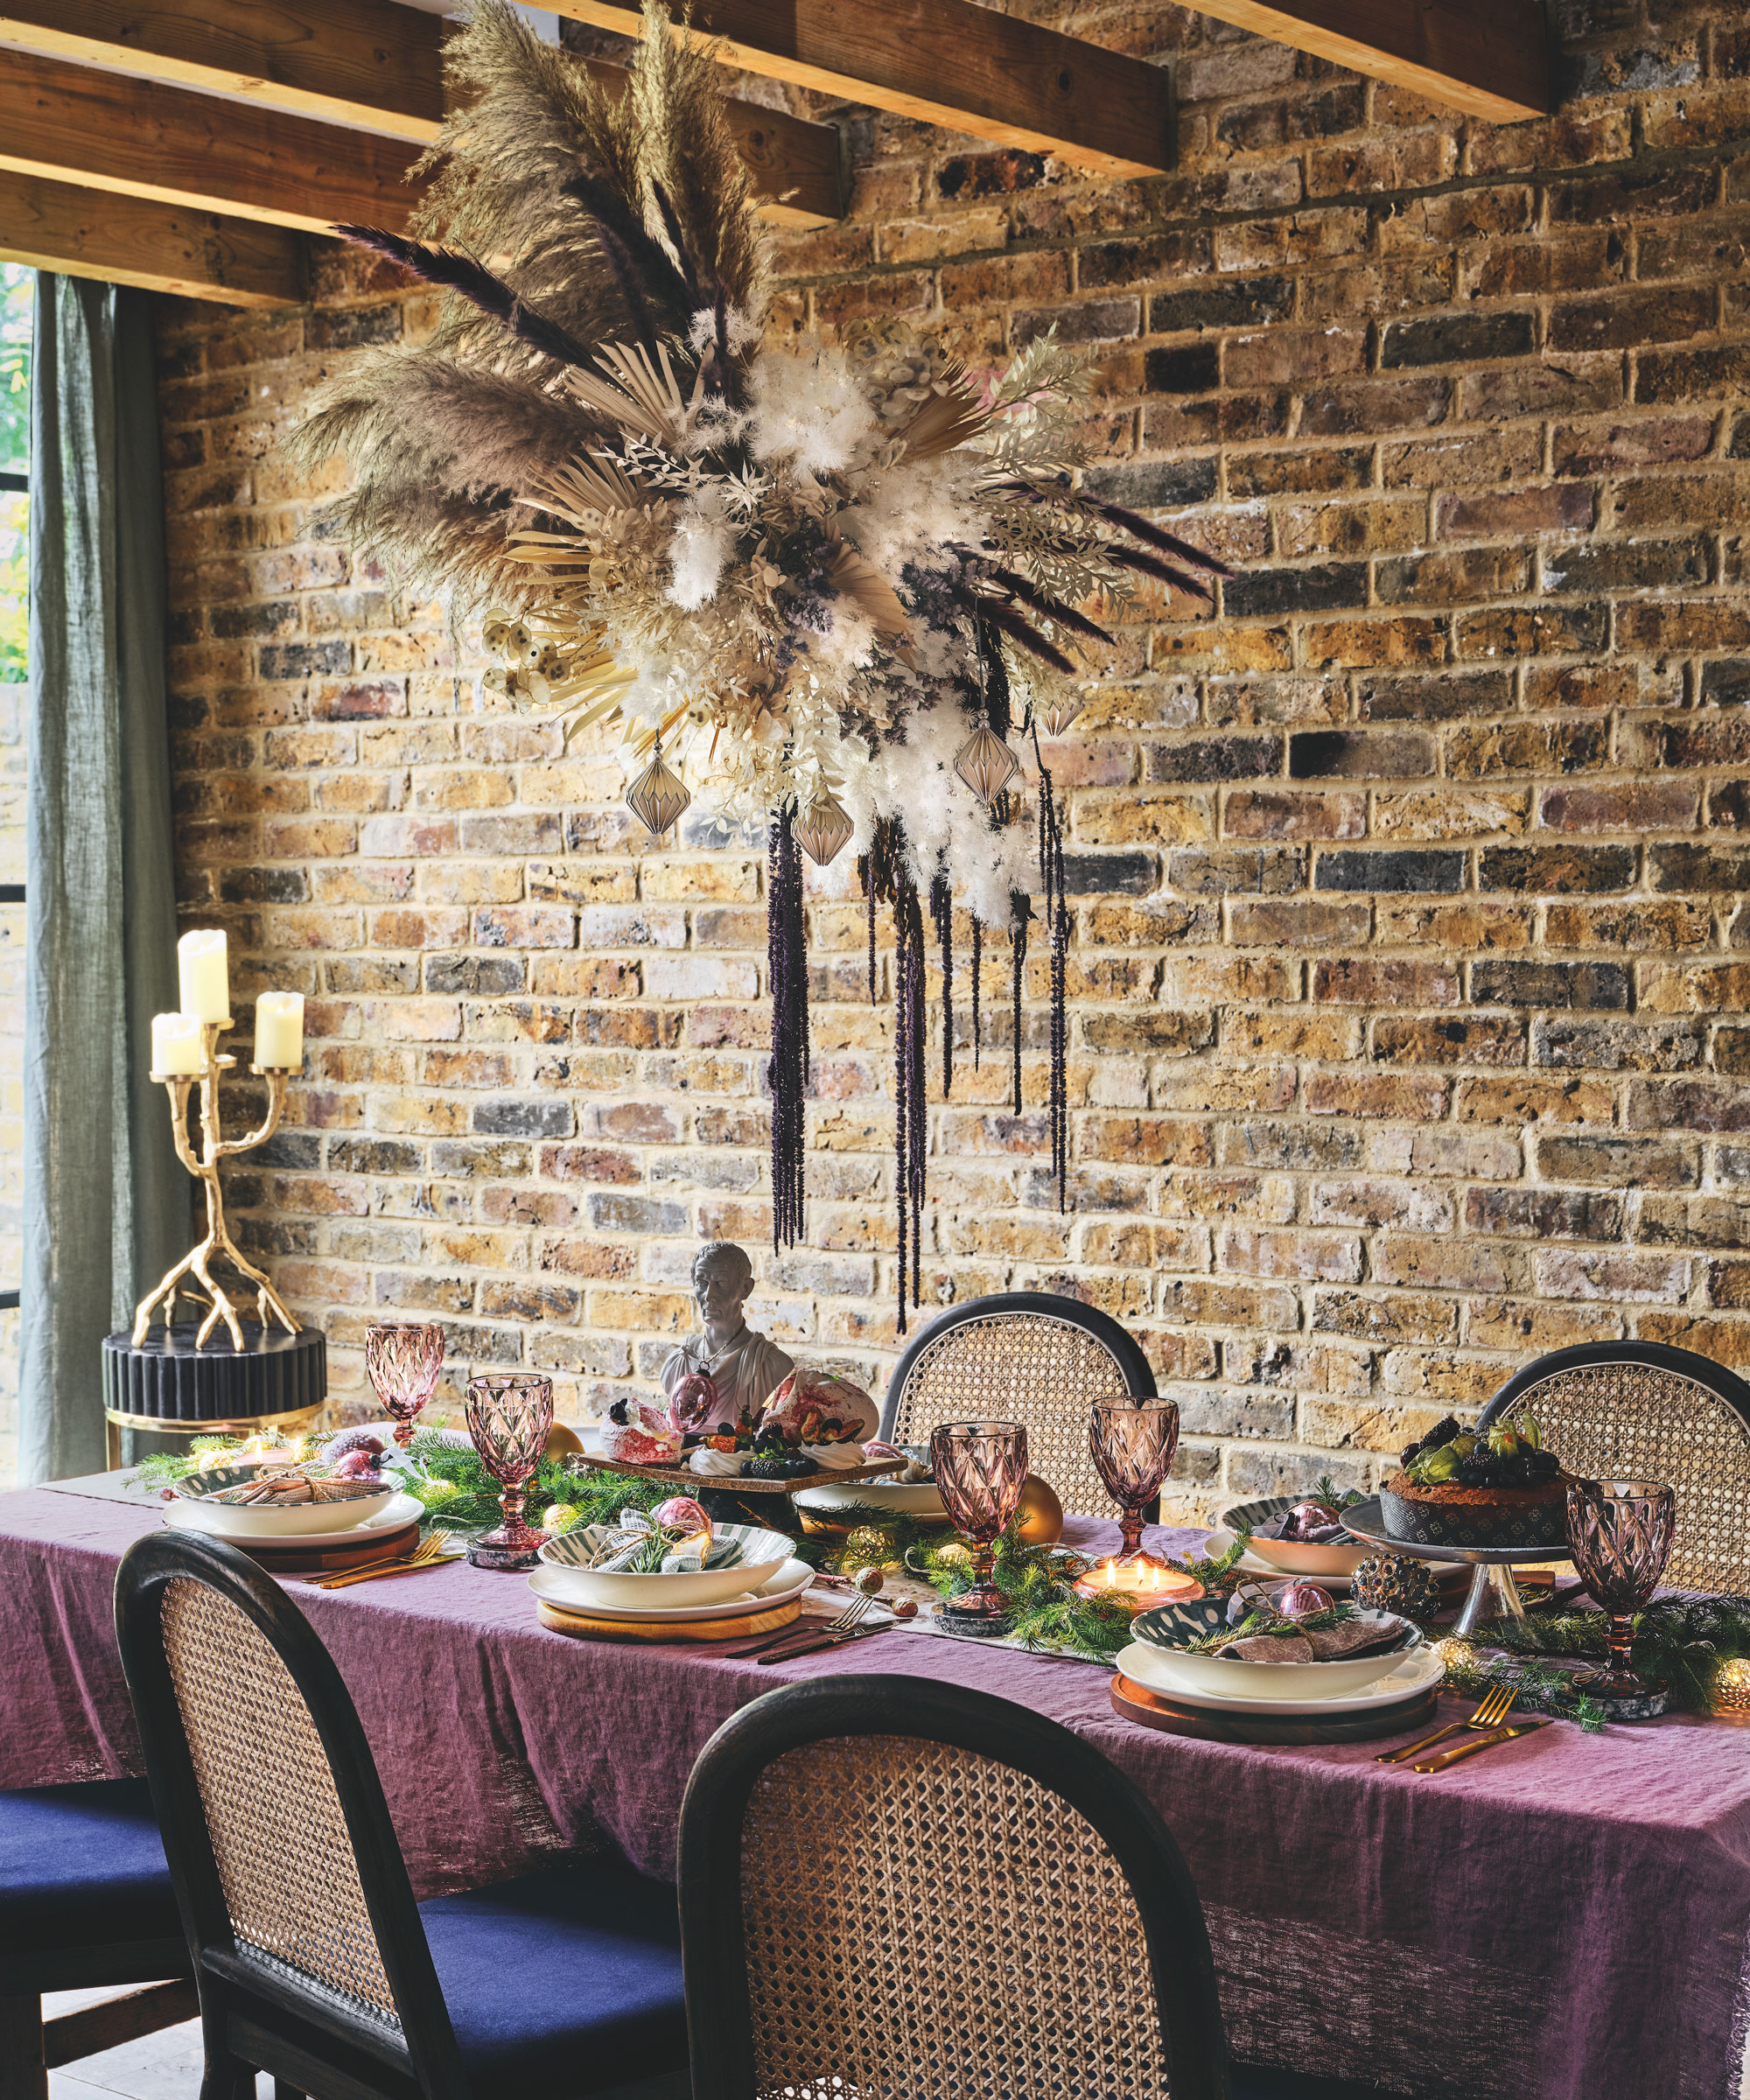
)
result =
(1483, 1742)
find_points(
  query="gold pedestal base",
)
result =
(115, 1419)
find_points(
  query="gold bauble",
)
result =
(1041, 1513)
(563, 1442)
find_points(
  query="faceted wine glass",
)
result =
(980, 1469)
(510, 1414)
(1620, 1534)
(1132, 1442)
(403, 1361)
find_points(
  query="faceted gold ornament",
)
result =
(986, 764)
(1055, 716)
(657, 796)
(822, 829)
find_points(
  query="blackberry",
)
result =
(766, 1469)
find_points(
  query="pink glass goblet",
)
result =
(510, 1414)
(403, 1361)
(1620, 1534)
(1132, 1442)
(980, 1469)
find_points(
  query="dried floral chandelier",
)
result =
(828, 585)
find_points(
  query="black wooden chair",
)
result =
(86, 1904)
(894, 1885)
(1026, 1356)
(313, 1961)
(1638, 1410)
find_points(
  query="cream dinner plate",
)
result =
(1154, 1668)
(791, 1579)
(402, 1508)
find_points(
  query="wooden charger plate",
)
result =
(1151, 1709)
(293, 1557)
(563, 1619)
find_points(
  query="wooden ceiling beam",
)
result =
(368, 63)
(1489, 58)
(164, 248)
(947, 62)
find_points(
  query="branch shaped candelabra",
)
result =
(198, 1262)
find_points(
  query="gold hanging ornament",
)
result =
(658, 795)
(985, 763)
(1055, 714)
(823, 830)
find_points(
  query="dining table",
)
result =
(1566, 1917)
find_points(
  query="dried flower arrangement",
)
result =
(826, 583)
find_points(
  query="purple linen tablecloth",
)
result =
(1565, 1917)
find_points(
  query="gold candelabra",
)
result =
(214, 1148)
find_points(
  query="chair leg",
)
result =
(24, 2076)
(226, 2078)
(283, 2091)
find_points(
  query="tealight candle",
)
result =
(175, 1043)
(202, 970)
(279, 1029)
(1138, 1585)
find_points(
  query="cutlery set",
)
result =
(814, 1638)
(431, 1552)
(1486, 1725)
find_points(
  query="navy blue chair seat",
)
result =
(571, 1968)
(81, 1866)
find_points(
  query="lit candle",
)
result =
(206, 983)
(279, 1029)
(175, 1043)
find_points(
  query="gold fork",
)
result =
(1489, 1715)
(853, 1614)
(427, 1554)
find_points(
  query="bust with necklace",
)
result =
(744, 1369)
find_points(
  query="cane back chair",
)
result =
(86, 1903)
(312, 1961)
(1028, 1357)
(1638, 1410)
(892, 1886)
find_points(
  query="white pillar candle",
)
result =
(279, 1028)
(206, 983)
(175, 1043)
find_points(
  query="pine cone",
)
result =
(1392, 1582)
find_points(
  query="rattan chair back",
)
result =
(1024, 1356)
(1638, 1410)
(293, 1890)
(896, 1889)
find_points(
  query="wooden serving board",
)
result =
(1151, 1709)
(291, 1556)
(736, 1483)
(581, 1627)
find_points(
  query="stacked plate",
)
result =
(1351, 1697)
(759, 1578)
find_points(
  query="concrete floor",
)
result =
(164, 2066)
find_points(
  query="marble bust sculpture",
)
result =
(745, 1368)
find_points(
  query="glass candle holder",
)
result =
(1132, 1443)
(980, 1470)
(403, 1361)
(1620, 1534)
(510, 1414)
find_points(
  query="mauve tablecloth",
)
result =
(1564, 1919)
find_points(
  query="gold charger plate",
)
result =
(581, 1627)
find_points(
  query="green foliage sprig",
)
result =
(460, 1494)
(1686, 1640)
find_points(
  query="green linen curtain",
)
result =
(106, 1204)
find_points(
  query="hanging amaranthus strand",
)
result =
(885, 876)
(977, 972)
(942, 916)
(1018, 954)
(787, 958)
(1057, 925)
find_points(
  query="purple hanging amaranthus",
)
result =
(787, 968)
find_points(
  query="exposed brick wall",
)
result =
(1409, 952)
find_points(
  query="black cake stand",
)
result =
(1494, 1594)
